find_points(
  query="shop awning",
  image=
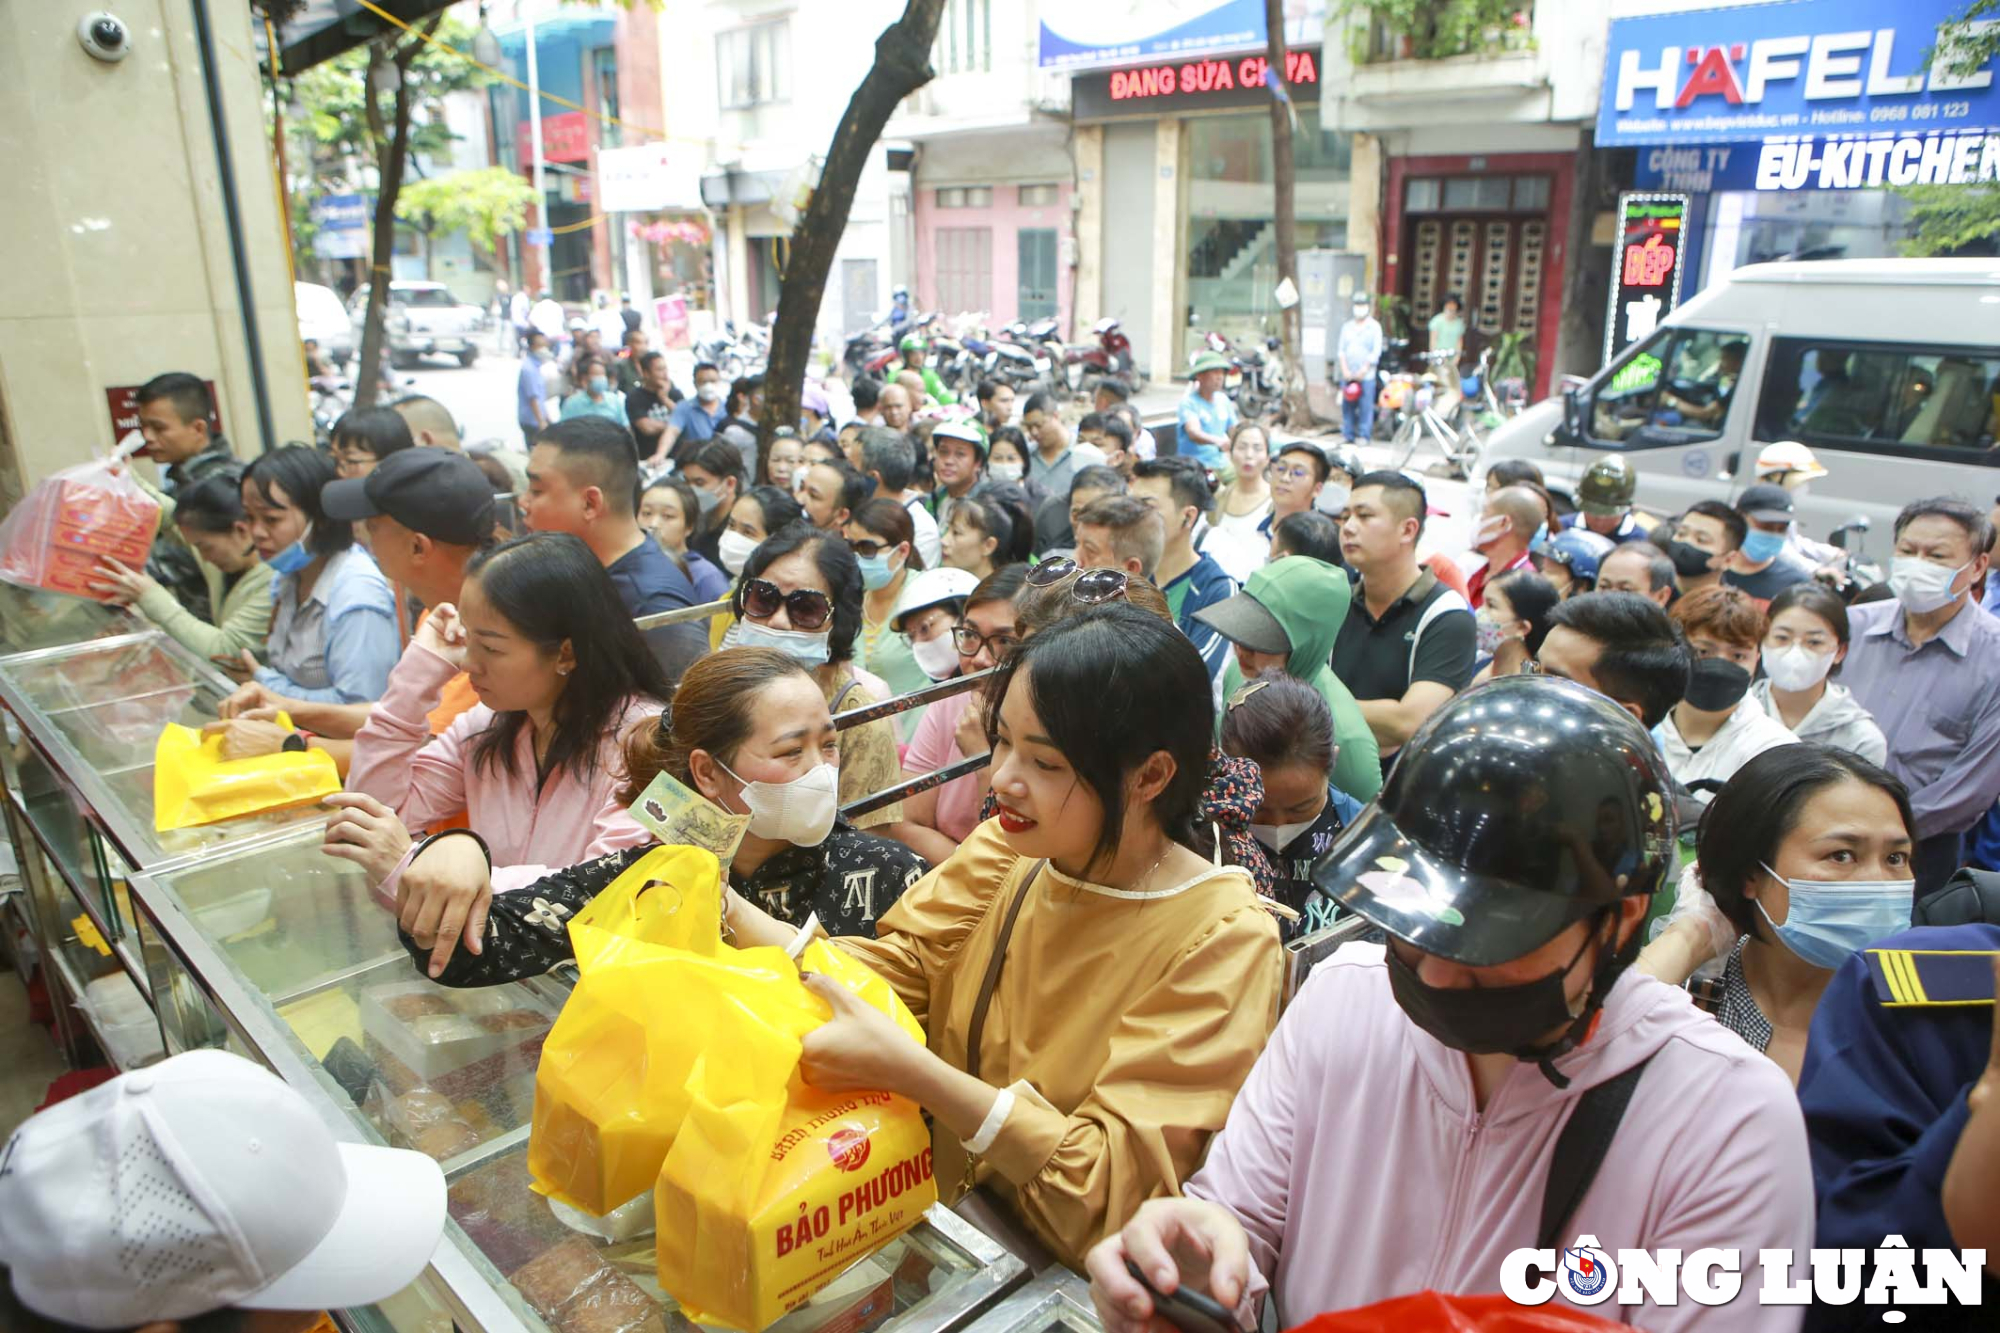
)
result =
(326, 28)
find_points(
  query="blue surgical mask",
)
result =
(598, 384)
(294, 557)
(1541, 535)
(1830, 919)
(1760, 546)
(875, 571)
(808, 650)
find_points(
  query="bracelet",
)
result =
(442, 834)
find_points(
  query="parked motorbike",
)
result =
(1110, 356)
(1260, 388)
(1850, 576)
(329, 400)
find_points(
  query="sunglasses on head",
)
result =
(806, 608)
(1092, 587)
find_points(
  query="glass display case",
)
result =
(80, 723)
(285, 955)
(1056, 1302)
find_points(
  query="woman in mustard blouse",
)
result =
(1138, 979)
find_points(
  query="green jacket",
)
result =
(934, 386)
(1309, 598)
(242, 616)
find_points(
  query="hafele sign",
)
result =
(1174, 85)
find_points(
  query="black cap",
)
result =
(438, 492)
(1241, 618)
(1766, 503)
(1520, 807)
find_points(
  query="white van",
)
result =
(1889, 369)
(323, 319)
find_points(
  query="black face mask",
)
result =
(1689, 561)
(1488, 1020)
(1717, 685)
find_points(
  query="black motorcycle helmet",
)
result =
(1518, 808)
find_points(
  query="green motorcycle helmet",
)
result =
(1607, 488)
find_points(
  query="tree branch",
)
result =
(902, 65)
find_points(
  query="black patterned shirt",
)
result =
(847, 881)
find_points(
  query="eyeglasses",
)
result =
(1304, 472)
(969, 641)
(1092, 587)
(806, 608)
(868, 550)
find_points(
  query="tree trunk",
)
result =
(902, 65)
(392, 152)
(1297, 413)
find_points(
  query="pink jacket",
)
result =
(1359, 1165)
(427, 780)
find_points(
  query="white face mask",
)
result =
(1796, 668)
(1920, 585)
(734, 550)
(1332, 498)
(1277, 837)
(938, 657)
(1489, 631)
(710, 393)
(1004, 471)
(808, 650)
(800, 812)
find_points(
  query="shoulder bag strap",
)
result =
(976, 1029)
(1580, 1151)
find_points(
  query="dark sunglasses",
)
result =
(868, 550)
(1092, 586)
(806, 608)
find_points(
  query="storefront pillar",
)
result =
(1364, 205)
(1088, 303)
(1168, 315)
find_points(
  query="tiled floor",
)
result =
(29, 1061)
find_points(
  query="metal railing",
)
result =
(680, 615)
(903, 703)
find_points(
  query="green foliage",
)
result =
(1440, 30)
(335, 95)
(1951, 218)
(486, 204)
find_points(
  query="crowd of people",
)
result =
(1620, 799)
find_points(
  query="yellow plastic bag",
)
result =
(193, 784)
(772, 1188)
(610, 1089)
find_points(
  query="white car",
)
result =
(323, 320)
(423, 319)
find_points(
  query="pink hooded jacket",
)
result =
(1358, 1162)
(427, 780)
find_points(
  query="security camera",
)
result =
(104, 36)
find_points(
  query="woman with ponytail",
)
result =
(1094, 985)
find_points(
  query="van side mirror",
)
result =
(1572, 415)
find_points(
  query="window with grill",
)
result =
(965, 37)
(754, 64)
(1038, 196)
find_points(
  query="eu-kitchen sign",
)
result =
(1794, 68)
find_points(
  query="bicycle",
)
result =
(1460, 444)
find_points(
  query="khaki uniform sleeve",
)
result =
(918, 939)
(1176, 1061)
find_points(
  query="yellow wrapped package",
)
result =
(193, 784)
(611, 1087)
(772, 1188)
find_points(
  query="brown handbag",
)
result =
(979, 1205)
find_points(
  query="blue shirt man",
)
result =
(1206, 413)
(531, 392)
(697, 419)
(1357, 354)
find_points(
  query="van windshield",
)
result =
(426, 297)
(1673, 388)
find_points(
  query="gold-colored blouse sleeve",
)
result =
(1124, 1027)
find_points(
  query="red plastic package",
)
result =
(1437, 1312)
(54, 538)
